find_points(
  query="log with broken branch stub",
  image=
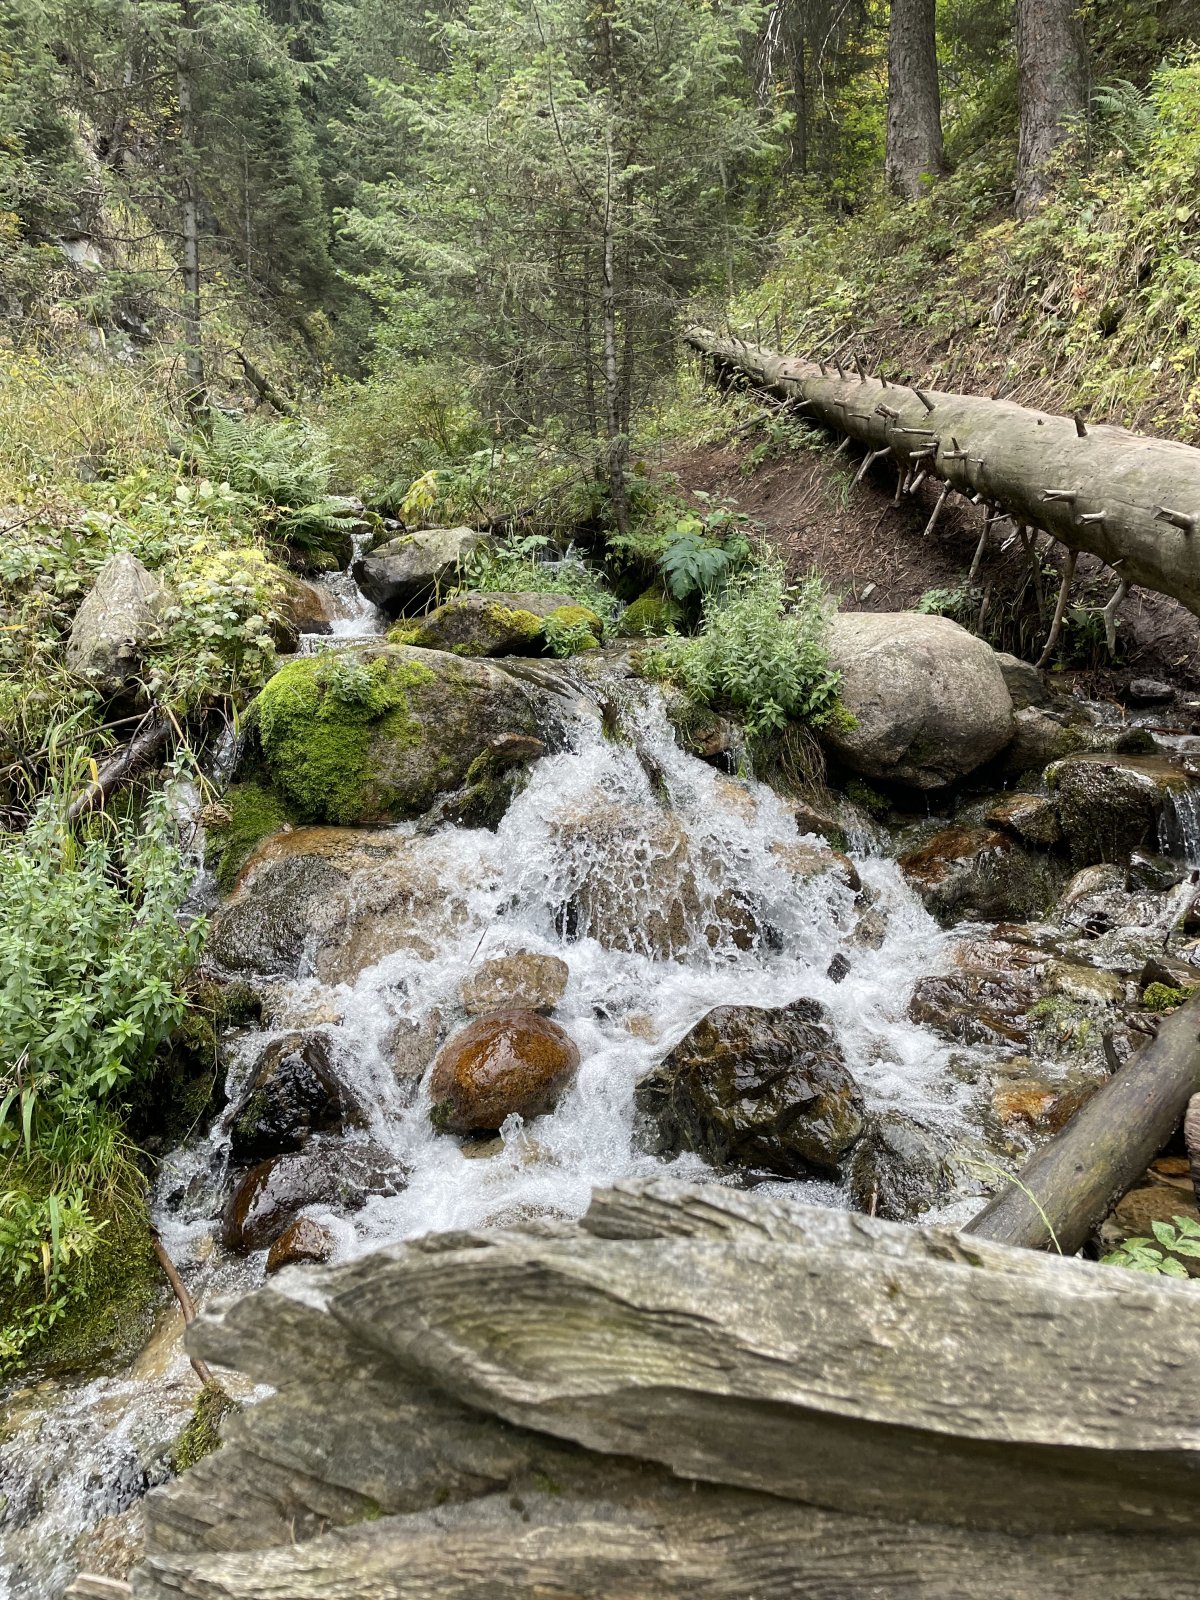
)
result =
(1071, 1184)
(1101, 489)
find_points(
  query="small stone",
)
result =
(838, 968)
(508, 1063)
(339, 1173)
(302, 1240)
(522, 981)
(1031, 817)
(870, 930)
(899, 1169)
(1040, 1107)
(1149, 692)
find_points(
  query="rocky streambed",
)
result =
(507, 930)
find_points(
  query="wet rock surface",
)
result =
(339, 1173)
(1110, 805)
(523, 981)
(899, 1169)
(294, 1091)
(757, 1088)
(500, 624)
(508, 1063)
(301, 1241)
(120, 616)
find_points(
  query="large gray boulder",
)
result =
(929, 699)
(120, 616)
(406, 572)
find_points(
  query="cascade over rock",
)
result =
(928, 699)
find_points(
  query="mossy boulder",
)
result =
(247, 814)
(1109, 805)
(650, 616)
(406, 572)
(759, 1088)
(376, 735)
(500, 624)
(508, 1063)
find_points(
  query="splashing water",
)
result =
(668, 889)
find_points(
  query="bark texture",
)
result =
(1050, 88)
(914, 107)
(1132, 501)
(696, 1391)
(1072, 1183)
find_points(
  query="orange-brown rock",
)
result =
(506, 1063)
(302, 1240)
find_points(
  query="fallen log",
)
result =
(1131, 500)
(697, 1391)
(122, 766)
(1071, 1184)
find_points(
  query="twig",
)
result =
(186, 1304)
(144, 744)
(1060, 609)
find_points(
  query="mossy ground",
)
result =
(255, 812)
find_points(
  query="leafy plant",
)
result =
(693, 562)
(1181, 1237)
(957, 601)
(761, 650)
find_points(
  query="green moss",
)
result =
(317, 719)
(255, 813)
(650, 616)
(202, 1435)
(405, 633)
(122, 1288)
(571, 630)
(1161, 997)
(869, 799)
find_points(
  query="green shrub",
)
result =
(761, 651)
(92, 964)
(1160, 1254)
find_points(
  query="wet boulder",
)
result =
(1096, 901)
(338, 1173)
(409, 1047)
(1042, 734)
(294, 1092)
(899, 1169)
(928, 699)
(1025, 684)
(801, 859)
(301, 1241)
(522, 981)
(976, 1006)
(328, 902)
(1110, 805)
(508, 1063)
(406, 572)
(759, 1088)
(121, 615)
(1032, 818)
(977, 872)
(377, 734)
(478, 624)
(307, 607)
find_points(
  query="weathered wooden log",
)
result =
(1132, 501)
(1070, 1184)
(122, 766)
(696, 1391)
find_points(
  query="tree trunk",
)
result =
(193, 354)
(1132, 501)
(1071, 1184)
(614, 437)
(914, 114)
(1050, 87)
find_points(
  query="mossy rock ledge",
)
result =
(377, 734)
(498, 624)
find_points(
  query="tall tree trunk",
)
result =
(914, 115)
(193, 354)
(1050, 78)
(614, 434)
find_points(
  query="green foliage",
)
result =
(571, 630)
(523, 564)
(959, 601)
(761, 650)
(92, 964)
(1160, 1254)
(250, 812)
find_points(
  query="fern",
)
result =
(281, 466)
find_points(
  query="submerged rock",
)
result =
(500, 624)
(302, 1240)
(406, 572)
(375, 735)
(120, 616)
(522, 981)
(757, 1088)
(307, 607)
(1096, 901)
(1109, 805)
(899, 1169)
(508, 1063)
(295, 1091)
(928, 699)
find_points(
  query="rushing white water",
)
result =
(594, 852)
